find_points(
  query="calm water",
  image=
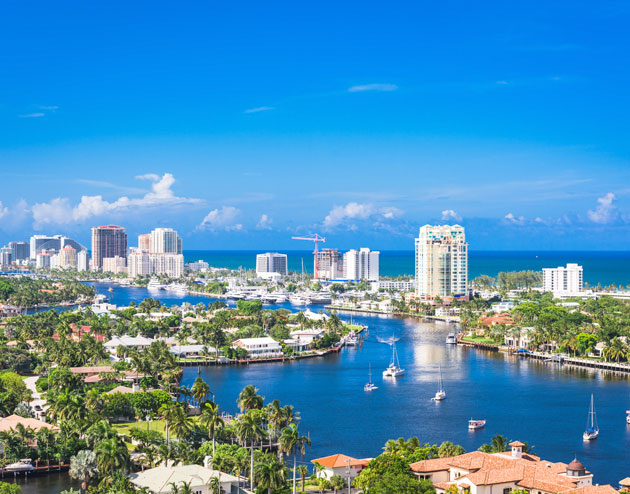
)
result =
(599, 267)
(542, 404)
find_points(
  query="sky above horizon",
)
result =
(242, 124)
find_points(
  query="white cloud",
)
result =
(449, 214)
(264, 223)
(33, 115)
(49, 108)
(515, 220)
(224, 218)
(362, 211)
(60, 211)
(3, 210)
(148, 176)
(502, 83)
(259, 109)
(373, 87)
(605, 212)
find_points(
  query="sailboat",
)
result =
(441, 394)
(394, 369)
(592, 429)
(370, 386)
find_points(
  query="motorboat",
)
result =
(441, 394)
(370, 386)
(627, 416)
(20, 466)
(351, 339)
(154, 285)
(451, 339)
(473, 424)
(394, 369)
(592, 429)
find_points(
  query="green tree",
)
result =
(291, 442)
(83, 468)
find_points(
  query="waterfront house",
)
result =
(504, 318)
(192, 351)
(138, 342)
(160, 480)
(264, 347)
(518, 337)
(503, 306)
(340, 464)
(487, 473)
(11, 422)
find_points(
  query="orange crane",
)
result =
(315, 238)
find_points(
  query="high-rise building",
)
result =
(164, 241)
(83, 260)
(147, 263)
(441, 261)
(115, 265)
(561, 280)
(271, 262)
(42, 260)
(6, 256)
(54, 243)
(359, 265)
(144, 242)
(20, 251)
(330, 264)
(108, 241)
(68, 258)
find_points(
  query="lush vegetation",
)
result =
(31, 292)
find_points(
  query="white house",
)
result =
(340, 465)
(139, 342)
(264, 347)
(160, 480)
(517, 337)
(191, 351)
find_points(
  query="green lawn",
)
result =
(154, 425)
(479, 339)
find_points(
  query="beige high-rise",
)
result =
(441, 261)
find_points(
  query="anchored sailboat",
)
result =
(441, 394)
(592, 429)
(394, 369)
(370, 386)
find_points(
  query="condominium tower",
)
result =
(164, 241)
(359, 265)
(107, 241)
(563, 279)
(271, 262)
(441, 261)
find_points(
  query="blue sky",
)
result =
(244, 123)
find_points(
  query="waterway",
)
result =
(543, 404)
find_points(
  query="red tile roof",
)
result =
(339, 460)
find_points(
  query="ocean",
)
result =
(605, 267)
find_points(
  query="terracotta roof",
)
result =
(594, 489)
(625, 482)
(339, 460)
(11, 422)
(575, 465)
(517, 444)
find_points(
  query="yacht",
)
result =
(299, 300)
(178, 288)
(351, 339)
(280, 299)
(627, 416)
(592, 429)
(370, 386)
(20, 466)
(473, 424)
(394, 369)
(441, 394)
(451, 339)
(154, 285)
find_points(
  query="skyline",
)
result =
(368, 124)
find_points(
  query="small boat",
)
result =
(20, 466)
(473, 424)
(394, 369)
(110, 289)
(370, 386)
(592, 429)
(451, 339)
(441, 394)
(351, 339)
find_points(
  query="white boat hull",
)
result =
(590, 436)
(439, 396)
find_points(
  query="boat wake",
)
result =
(388, 341)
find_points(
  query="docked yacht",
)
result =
(394, 369)
(441, 394)
(299, 300)
(154, 285)
(20, 466)
(370, 386)
(451, 339)
(178, 288)
(351, 339)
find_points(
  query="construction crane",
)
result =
(315, 238)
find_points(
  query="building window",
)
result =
(507, 490)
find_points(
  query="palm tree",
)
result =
(183, 488)
(337, 482)
(211, 418)
(166, 412)
(112, 455)
(200, 391)
(291, 442)
(250, 429)
(270, 475)
(181, 424)
(83, 467)
(249, 399)
(275, 419)
(302, 471)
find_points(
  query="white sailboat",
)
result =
(592, 429)
(370, 386)
(394, 369)
(441, 394)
